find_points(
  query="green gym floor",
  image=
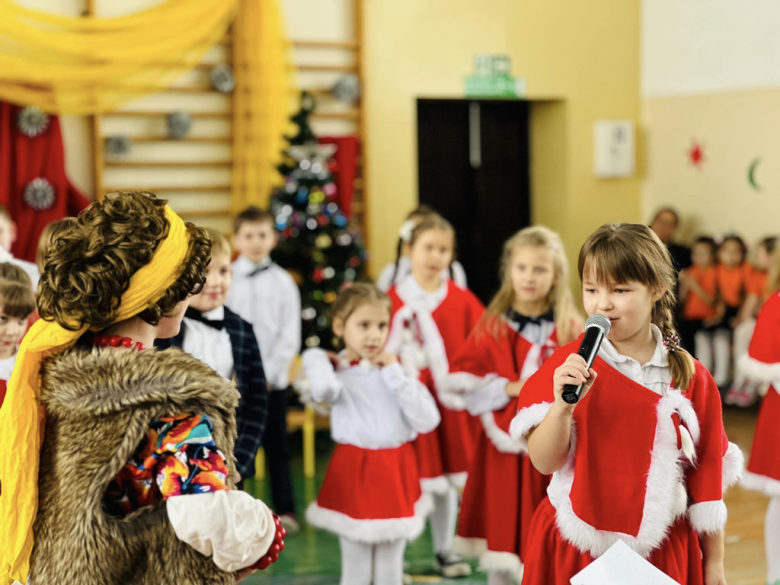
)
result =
(312, 557)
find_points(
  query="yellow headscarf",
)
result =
(21, 417)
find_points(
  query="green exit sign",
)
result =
(492, 78)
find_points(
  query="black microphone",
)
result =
(596, 329)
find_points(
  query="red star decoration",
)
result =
(696, 154)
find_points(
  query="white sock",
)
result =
(356, 562)
(721, 343)
(772, 541)
(443, 519)
(389, 563)
(703, 344)
(500, 578)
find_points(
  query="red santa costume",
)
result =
(427, 331)
(503, 488)
(647, 465)
(762, 364)
(371, 491)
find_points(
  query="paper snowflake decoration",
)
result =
(39, 194)
(32, 121)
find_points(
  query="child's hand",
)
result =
(512, 389)
(384, 359)
(573, 371)
(714, 573)
(244, 573)
(333, 358)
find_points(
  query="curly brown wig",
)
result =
(89, 266)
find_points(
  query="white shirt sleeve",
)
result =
(325, 386)
(231, 526)
(385, 280)
(416, 402)
(288, 343)
(459, 274)
(487, 398)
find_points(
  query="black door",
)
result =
(473, 166)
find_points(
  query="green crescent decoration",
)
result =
(752, 174)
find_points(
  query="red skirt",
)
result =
(502, 493)
(550, 560)
(763, 470)
(446, 452)
(371, 495)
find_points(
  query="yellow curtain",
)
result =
(77, 65)
(261, 101)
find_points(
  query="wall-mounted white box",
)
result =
(613, 149)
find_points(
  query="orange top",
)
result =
(732, 283)
(695, 308)
(756, 282)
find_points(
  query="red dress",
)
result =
(762, 364)
(436, 333)
(630, 474)
(503, 488)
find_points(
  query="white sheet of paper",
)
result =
(620, 565)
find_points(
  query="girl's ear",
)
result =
(338, 327)
(659, 293)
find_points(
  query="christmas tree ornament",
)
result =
(313, 341)
(179, 124)
(330, 297)
(118, 145)
(328, 273)
(32, 121)
(308, 313)
(347, 89)
(39, 194)
(221, 78)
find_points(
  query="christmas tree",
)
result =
(316, 243)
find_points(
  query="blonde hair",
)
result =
(219, 243)
(559, 299)
(355, 296)
(625, 252)
(50, 233)
(773, 282)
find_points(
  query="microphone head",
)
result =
(599, 321)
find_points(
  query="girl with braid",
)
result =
(642, 457)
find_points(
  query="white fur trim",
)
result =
(460, 382)
(527, 419)
(502, 562)
(665, 497)
(733, 466)
(449, 400)
(501, 440)
(470, 548)
(688, 448)
(371, 531)
(458, 480)
(708, 517)
(435, 485)
(761, 483)
(759, 371)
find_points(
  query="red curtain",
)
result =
(344, 176)
(23, 159)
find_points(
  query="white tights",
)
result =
(713, 349)
(772, 541)
(443, 520)
(380, 564)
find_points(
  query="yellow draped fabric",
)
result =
(77, 65)
(261, 102)
(21, 417)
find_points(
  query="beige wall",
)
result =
(582, 55)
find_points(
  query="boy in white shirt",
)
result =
(264, 294)
(7, 238)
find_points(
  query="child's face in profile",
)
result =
(12, 330)
(255, 240)
(762, 258)
(730, 253)
(219, 276)
(431, 253)
(365, 330)
(702, 255)
(533, 273)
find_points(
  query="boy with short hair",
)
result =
(264, 294)
(224, 341)
(7, 238)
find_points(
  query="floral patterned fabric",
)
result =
(178, 456)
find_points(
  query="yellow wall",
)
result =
(582, 58)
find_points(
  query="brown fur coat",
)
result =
(99, 403)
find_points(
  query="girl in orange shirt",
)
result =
(699, 297)
(745, 392)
